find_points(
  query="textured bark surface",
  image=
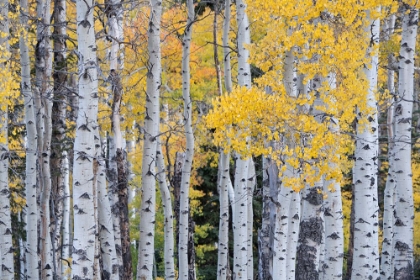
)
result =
(58, 114)
(31, 255)
(366, 253)
(168, 215)
(185, 252)
(6, 246)
(387, 257)
(151, 130)
(404, 208)
(85, 227)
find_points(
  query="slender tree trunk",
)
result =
(85, 227)
(58, 129)
(366, 254)
(240, 213)
(387, 257)
(43, 105)
(251, 183)
(32, 268)
(110, 264)
(168, 215)
(404, 208)
(151, 128)
(184, 208)
(65, 255)
(6, 245)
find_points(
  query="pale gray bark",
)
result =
(168, 215)
(404, 208)
(106, 234)
(65, 254)
(32, 268)
(6, 246)
(151, 130)
(184, 208)
(58, 114)
(223, 243)
(366, 253)
(240, 213)
(85, 227)
(387, 256)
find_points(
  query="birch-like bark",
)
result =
(333, 246)
(404, 205)
(112, 176)
(43, 105)
(168, 215)
(387, 256)
(117, 154)
(6, 246)
(85, 227)
(184, 208)
(240, 213)
(151, 130)
(32, 268)
(223, 243)
(58, 154)
(366, 254)
(65, 254)
(106, 234)
(251, 183)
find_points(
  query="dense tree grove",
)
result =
(219, 139)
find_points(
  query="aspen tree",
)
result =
(404, 208)
(58, 115)
(106, 234)
(184, 208)
(6, 245)
(151, 130)
(224, 178)
(85, 227)
(366, 254)
(387, 256)
(43, 107)
(31, 210)
(168, 214)
(242, 258)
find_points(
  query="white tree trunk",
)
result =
(65, 255)
(168, 215)
(6, 246)
(240, 213)
(387, 256)
(251, 183)
(404, 208)
(224, 177)
(106, 234)
(184, 208)
(85, 227)
(223, 244)
(366, 253)
(151, 130)
(32, 268)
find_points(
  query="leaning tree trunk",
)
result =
(85, 228)
(6, 246)
(151, 131)
(31, 255)
(366, 254)
(387, 256)
(404, 208)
